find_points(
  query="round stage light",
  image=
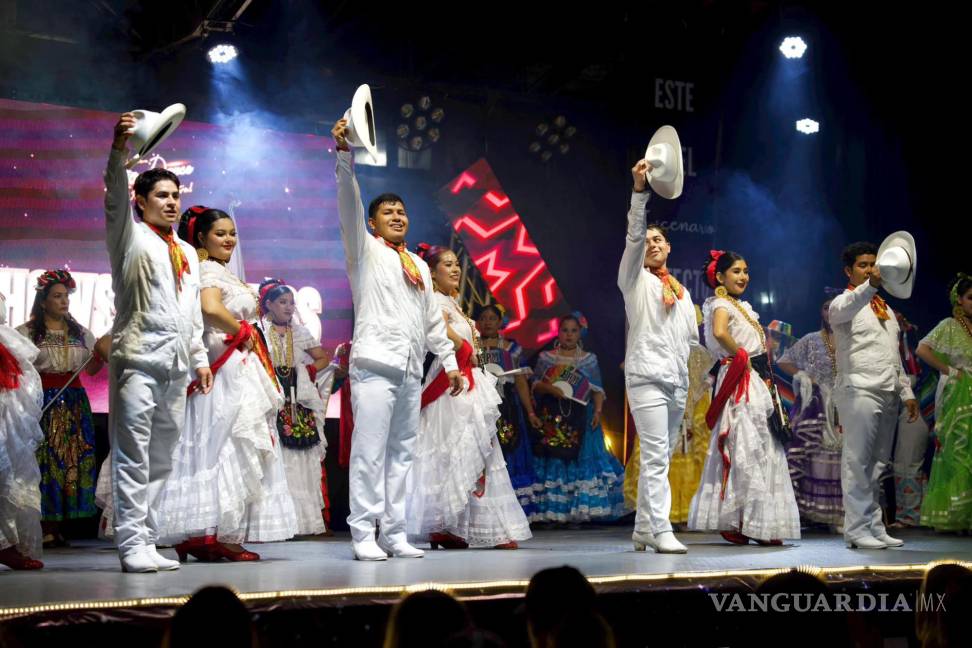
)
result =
(407, 110)
(793, 47)
(421, 122)
(535, 147)
(564, 148)
(569, 131)
(222, 53)
(560, 121)
(553, 139)
(808, 126)
(402, 131)
(546, 155)
(542, 129)
(425, 102)
(437, 115)
(433, 135)
(416, 143)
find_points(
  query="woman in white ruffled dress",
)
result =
(459, 492)
(228, 484)
(746, 492)
(21, 396)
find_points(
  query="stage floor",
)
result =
(88, 574)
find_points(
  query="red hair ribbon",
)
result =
(710, 270)
(196, 210)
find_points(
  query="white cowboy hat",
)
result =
(664, 154)
(361, 121)
(898, 260)
(151, 129)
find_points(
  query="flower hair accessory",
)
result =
(581, 320)
(269, 283)
(52, 277)
(710, 269)
(953, 294)
(422, 250)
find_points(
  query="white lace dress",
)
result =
(758, 499)
(303, 465)
(228, 476)
(456, 447)
(20, 435)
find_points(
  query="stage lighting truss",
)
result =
(551, 136)
(222, 53)
(807, 126)
(420, 126)
(793, 47)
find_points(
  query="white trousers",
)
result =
(909, 456)
(147, 414)
(386, 422)
(868, 419)
(657, 411)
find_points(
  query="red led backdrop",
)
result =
(498, 243)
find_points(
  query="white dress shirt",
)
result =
(867, 347)
(394, 321)
(155, 322)
(659, 338)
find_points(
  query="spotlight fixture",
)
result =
(417, 117)
(222, 53)
(550, 136)
(793, 47)
(808, 126)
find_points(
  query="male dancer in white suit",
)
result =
(395, 320)
(156, 340)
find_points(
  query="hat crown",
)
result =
(895, 264)
(661, 157)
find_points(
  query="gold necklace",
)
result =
(746, 316)
(965, 324)
(285, 365)
(831, 351)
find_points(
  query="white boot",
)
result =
(666, 543)
(399, 549)
(888, 540)
(138, 561)
(163, 563)
(368, 550)
(866, 542)
(642, 540)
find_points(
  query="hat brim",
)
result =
(905, 241)
(362, 118)
(672, 189)
(168, 122)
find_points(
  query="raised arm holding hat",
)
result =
(662, 329)
(395, 320)
(156, 343)
(871, 383)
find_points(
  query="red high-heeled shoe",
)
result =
(735, 537)
(198, 547)
(16, 560)
(447, 541)
(508, 545)
(220, 551)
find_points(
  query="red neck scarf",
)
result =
(672, 291)
(409, 269)
(180, 264)
(878, 305)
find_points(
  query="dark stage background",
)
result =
(881, 80)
